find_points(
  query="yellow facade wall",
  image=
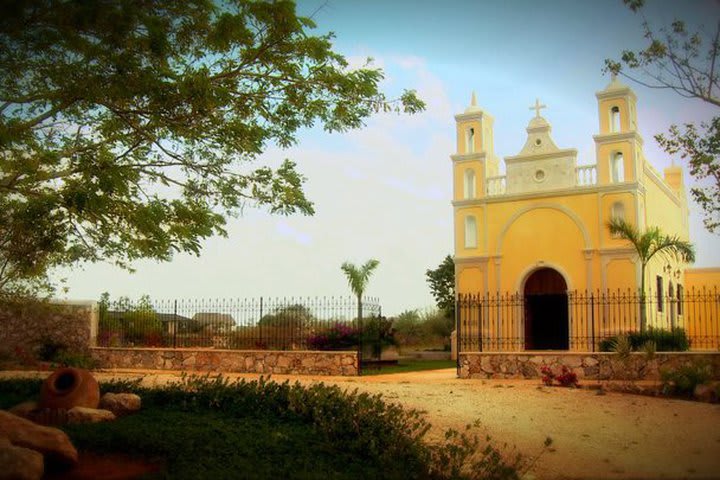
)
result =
(559, 247)
(564, 227)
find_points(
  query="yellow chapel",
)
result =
(539, 231)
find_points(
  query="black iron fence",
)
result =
(322, 323)
(581, 320)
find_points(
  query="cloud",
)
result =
(286, 230)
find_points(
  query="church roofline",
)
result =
(538, 156)
(614, 137)
(473, 116)
(619, 92)
(630, 187)
(467, 157)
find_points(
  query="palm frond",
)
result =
(358, 277)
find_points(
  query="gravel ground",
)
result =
(615, 435)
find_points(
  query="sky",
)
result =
(384, 191)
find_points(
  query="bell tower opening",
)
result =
(546, 311)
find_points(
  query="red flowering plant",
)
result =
(566, 377)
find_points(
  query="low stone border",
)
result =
(592, 366)
(230, 361)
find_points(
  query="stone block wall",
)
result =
(230, 361)
(591, 366)
(25, 326)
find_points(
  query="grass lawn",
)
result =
(410, 365)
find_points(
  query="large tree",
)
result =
(685, 61)
(128, 128)
(442, 285)
(649, 244)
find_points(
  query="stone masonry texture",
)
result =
(591, 366)
(231, 361)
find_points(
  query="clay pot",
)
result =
(70, 387)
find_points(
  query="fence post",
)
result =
(175, 324)
(592, 320)
(458, 304)
(260, 327)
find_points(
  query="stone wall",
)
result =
(591, 366)
(26, 326)
(230, 361)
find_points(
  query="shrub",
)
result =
(377, 334)
(433, 328)
(49, 349)
(75, 359)
(566, 377)
(673, 340)
(683, 380)
(340, 336)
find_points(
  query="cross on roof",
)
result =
(537, 107)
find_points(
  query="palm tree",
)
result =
(648, 244)
(358, 279)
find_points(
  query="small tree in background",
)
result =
(358, 278)
(442, 286)
(648, 244)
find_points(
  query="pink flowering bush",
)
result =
(338, 337)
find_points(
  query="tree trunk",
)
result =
(643, 303)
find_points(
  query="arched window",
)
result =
(615, 119)
(470, 232)
(618, 211)
(617, 167)
(470, 140)
(469, 183)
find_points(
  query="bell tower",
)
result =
(474, 159)
(618, 145)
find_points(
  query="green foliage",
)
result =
(683, 380)
(701, 148)
(674, 340)
(432, 328)
(683, 59)
(17, 390)
(210, 427)
(649, 348)
(648, 245)
(49, 349)
(409, 328)
(358, 278)
(339, 336)
(621, 346)
(442, 285)
(128, 129)
(377, 334)
(127, 323)
(294, 317)
(67, 358)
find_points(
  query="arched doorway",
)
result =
(546, 311)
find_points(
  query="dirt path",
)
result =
(616, 436)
